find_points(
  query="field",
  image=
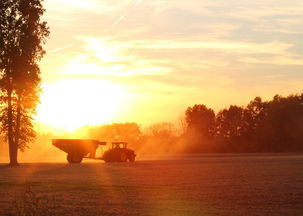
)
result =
(181, 186)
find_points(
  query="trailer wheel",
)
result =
(71, 158)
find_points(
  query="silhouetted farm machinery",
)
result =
(77, 149)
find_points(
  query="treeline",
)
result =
(260, 126)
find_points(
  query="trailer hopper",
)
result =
(77, 149)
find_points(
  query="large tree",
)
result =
(200, 119)
(22, 34)
(230, 122)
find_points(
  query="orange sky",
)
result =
(146, 61)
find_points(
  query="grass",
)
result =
(29, 204)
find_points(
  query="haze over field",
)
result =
(145, 61)
(151, 107)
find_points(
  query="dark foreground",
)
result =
(229, 185)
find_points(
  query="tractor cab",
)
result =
(122, 145)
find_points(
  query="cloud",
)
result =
(235, 47)
(138, 3)
(118, 20)
(274, 60)
(94, 6)
(60, 48)
(215, 51)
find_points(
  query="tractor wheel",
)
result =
(71, 158)
(131, 158)
(123, 157)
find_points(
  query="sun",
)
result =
(70, 104)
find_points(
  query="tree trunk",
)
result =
(18, 122)
(13, 148)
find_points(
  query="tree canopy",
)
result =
(261, 126)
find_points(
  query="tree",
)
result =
(200, 119)
(22, 34)
(229, 122)
(281, 128)
(256, 111)
(231, 127)
(200, 127)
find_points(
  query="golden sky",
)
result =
(146, 61)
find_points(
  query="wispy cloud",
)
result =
(138, 3)
(274, 61)
(199, 49)
(60, 48)
(118, 20)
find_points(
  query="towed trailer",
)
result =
(77, 149)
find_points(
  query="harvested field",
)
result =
(265, 185)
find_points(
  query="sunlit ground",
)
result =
(257, 185)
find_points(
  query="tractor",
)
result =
(77, 149)
(119, 153)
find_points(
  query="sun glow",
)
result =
(70, 104)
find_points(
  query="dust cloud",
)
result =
(155, 140)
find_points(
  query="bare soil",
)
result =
(265, 185)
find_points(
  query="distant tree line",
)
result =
(261, 126)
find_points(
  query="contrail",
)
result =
(118, 20)
(60, 48)
(138, 3)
